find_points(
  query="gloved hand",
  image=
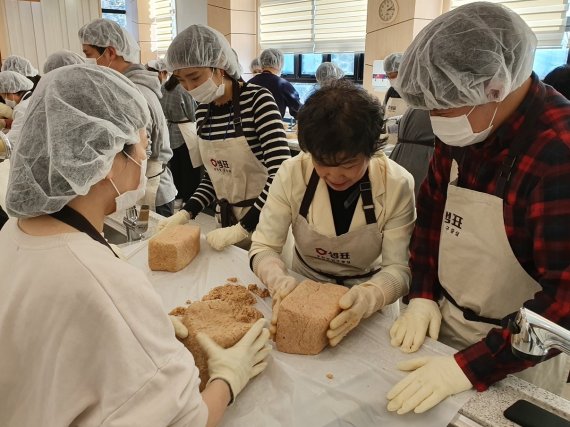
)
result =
(5, 111)
(434, 378)
(409, 331)
(222, 237)
(180, 330)
(179, 218)
(273, 273)
(238, 364)
(357, 304)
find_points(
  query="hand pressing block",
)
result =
(305, 315)
(173, 248)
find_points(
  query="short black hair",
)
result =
(559, 79)
(340, 121)
(99, 49)
(171, 83)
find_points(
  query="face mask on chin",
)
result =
(129, 198)
(208, 91)
(457, 131)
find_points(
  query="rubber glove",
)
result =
(409, 331)
(180, 330)
(238, 364)
(360, 302)
(223, 237)
(5, 111)
(432, 380)
(179, 218)
(273, 273)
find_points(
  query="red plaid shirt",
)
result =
(536, 213)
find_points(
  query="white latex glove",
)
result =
(180, 330)
(5, 111)
(409, 331)
(223, 237)
(273, 273)
(179, 218)
(432, 380)
(238, 364)
(360, 302)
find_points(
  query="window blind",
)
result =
(547, 18)
(302, 26)
(163, 25)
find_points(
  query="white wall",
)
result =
(36, 29)
(189, 12)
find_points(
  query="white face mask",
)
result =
(10, 103)
(91, 61)
(129, 198)
(457, 131)
(208, 91)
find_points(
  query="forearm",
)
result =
(202, 197)
(216, 396)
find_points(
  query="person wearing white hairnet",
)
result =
(90, 342)
(16, 91)
(492, 231)
(327, 72)
(351, 211)
(107, 44)
(180, 111)
(21, 66)
(286, 96)
(61, 58)
(241, 141)
(255, 66)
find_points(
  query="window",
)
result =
(300, 69)
(301, 26)
(345, 61)
(289, 65)
(115, 10)
(163, 25)
(309, 63)
(546, 60)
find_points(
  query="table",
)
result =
(295, 390)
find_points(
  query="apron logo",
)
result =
(336, 257)
(221, 166)
(454, 223)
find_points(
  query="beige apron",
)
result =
(237, 175)
(190, 135)
(154, 170)
(348, 259)
(478, 270)
(394, 107)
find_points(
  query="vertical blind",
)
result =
(547, 18)
(163, 25)
(297, 26)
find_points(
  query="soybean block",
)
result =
(174, 248)
(305, 315)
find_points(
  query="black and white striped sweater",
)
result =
(263, 130)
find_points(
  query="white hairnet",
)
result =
(202, 46)
(19, 65)
(254, 65)
(13, 82)
(392, 62)
(79, 118)
(62, 58)
(328, 71)
(475, 54)
(104, 33)
(271, 58)
(157, 64)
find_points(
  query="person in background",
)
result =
(107, 44)
(5, 115)
(242, 142)
(108, 354)
(16, 91)
(492, 231)
(391, 66)
(62, 58)
(415, 145)
(179, 110)
(559, 79)
(351, 210)
(5, 150)
(255, 66)
(328, 72)
(22, 66)
(285, 95)
(395, 106)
